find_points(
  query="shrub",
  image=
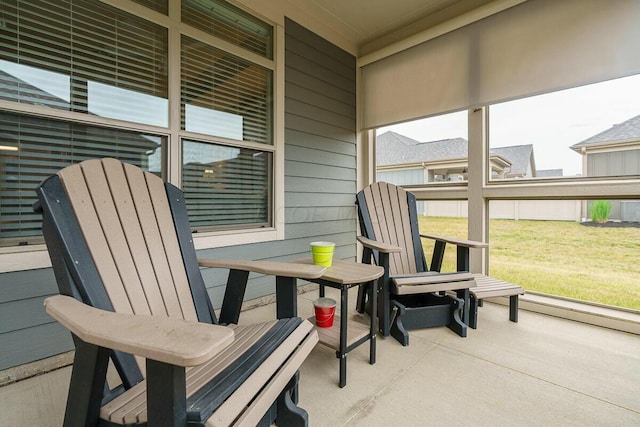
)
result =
(600, 210)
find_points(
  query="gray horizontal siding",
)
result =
(335, 70)
(26, 345)
(320, 154)
(20, 285)
(333, 104)
(295, 31)
(314, 170)
(27, 333)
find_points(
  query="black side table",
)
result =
(344, 336)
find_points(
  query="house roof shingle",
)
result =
(393, 148)
(629, 129)
(520, 157)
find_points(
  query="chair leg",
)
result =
(465, 295)
(513, 308)
(362, 298)
(473, 312)
(87, 384)
(288, 413)
(456, 323)
(166, 395)
(398, 331)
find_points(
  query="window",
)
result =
(548, 246)
(161, 6)
(229, 23)
(588, 131)
(85, 57)
(226, 186)
(223, 95)
(226, 97)
(34, 148)
(82, 79)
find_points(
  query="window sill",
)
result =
(621, 319)
(237, 237)
(20, 258)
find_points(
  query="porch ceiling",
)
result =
(372, 24)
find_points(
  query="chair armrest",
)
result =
(282, 269)
(378, 246)
(165, 339)
(457, 242)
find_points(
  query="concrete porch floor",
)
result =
(541, 371)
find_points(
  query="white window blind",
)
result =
(229, 23)
(86, 57)
(33, 148)
(52, 52)
(161, 6)
(215, 80)
(226, 187)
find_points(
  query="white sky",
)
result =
(551, 122)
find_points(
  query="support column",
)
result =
(478, 205)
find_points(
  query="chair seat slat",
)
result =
(130, 407)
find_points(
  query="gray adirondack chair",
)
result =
(121, 250)
(391, 238)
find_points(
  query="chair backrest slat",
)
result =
(172, 255)
(377, 214)
(165, 279)
(88, 217)
(400, 209)
(126, 221)
(390, 222)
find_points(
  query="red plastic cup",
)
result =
(325, 310)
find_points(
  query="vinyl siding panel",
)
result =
(320, 142)
(320, 187)
(27, 333)
(26, 345)
(615, 163)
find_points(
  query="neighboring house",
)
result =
(549, 173)
(614, 152)
(403, 160)
(520, 159)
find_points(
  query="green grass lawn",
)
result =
(556, 257)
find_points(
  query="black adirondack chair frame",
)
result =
(419, 310)
(77, 277)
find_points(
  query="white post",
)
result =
(478, 206)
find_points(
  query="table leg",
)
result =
(384, 303)
(342, 352)
(463, 264)
(373, 297)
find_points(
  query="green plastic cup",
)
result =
(322, 253)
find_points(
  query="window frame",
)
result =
(479, 190)
(12, 258)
